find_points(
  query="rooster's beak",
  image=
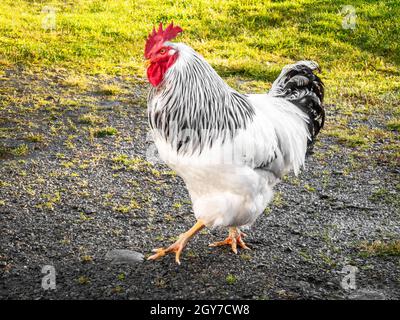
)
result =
(147, 63)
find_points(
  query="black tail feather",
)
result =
(298, 84)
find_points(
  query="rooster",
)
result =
(229, 148)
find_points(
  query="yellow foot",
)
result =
(234, 239)
(178, 246)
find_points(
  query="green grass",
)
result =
(130, 164)
(104, 132)
(19, 151)
(350, 139)
(383, 195)
(76, 81)
(379, 248)
(83, 280)
(248, 38)
(394, 125)
(230, 279)
(86, 259)
(36, 138)
(91, 119)
(109, 90)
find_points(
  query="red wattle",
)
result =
(155, 73)
(157, 70)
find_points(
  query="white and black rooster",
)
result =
(229, 148)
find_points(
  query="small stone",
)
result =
(123, 256)
(89, 210)
(338, 205)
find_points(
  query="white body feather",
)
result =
(223, 182)
(230, 182)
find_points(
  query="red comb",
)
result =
(161, 35)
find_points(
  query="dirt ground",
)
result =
(75, 185)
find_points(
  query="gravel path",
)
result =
(74, 189)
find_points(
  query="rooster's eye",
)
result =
(162, 51)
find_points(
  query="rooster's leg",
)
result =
(178, 246)
(234, 239)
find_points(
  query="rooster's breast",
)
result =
(223, 194)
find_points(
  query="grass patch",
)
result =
(105, 132)
(21, 150)
(117, 290)
(123, 161)
(393, 125)
(18, 151)
(91, 119)
(86, 259)
(305, 255)
(83, 280)
(52, 200)
(382, 195)
(76, 81)
(245, 256)
(380, 248)
(35, 138)
(133, 204)
(109, 90)
(278, 200)
(4, 184)
(246, 39)
(230, 279)
(350, 140)
(177, 205)
(309, 188)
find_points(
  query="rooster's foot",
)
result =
(234, 239)
(176, 247)
(179, 245)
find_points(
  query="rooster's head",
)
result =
(160, 53)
